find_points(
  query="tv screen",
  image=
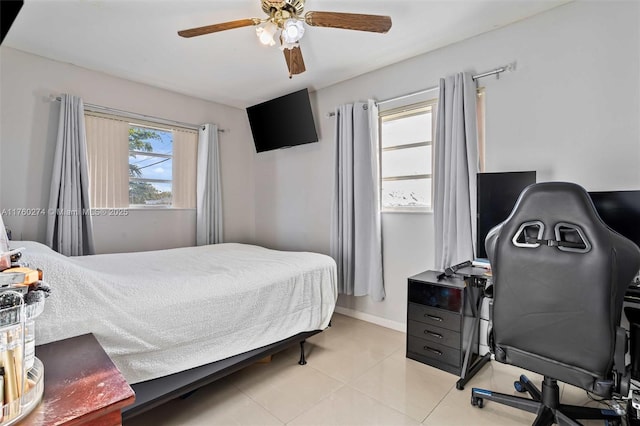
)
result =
(497, 195)
(282, 122)
(620, 210)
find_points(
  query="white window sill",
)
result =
(407, 211)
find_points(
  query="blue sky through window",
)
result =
(153, 167)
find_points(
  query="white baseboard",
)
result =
(383, 322)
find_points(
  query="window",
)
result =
(150, 166)
(406, 152)
(407, 135)
(140, 164)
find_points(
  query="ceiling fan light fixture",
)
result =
(292, 30)
(289, 46)
(266, 33)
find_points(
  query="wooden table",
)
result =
(81, 385)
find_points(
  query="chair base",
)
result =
(545, 404)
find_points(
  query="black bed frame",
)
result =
(155, 392)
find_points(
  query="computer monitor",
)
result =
(497, 194)
(620, 210)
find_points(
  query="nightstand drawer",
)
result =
(434, 316)
(434, 351)
(434, 334)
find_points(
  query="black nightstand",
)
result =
(443, 324)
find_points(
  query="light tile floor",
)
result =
(357, 374)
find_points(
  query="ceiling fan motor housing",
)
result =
(295, 7)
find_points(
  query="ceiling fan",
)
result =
(285, 17)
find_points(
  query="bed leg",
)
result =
(302, 360)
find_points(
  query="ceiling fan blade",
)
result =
(294, 60)
(349, 21)
(193, 32)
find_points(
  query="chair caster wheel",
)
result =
(477, 402)
(519, 386)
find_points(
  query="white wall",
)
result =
(28, 126)
(571, 111)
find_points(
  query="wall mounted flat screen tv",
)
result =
(497, 195)
(620, 210)
(282, 122)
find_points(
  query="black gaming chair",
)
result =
(560, 276)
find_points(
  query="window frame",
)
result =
(406, 111)
(187, 152)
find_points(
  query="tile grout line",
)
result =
(257, 403)
(446, 394)
(342, 385)
(372, 367)
(388, 406)
(385, 404)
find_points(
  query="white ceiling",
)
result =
(137, 40)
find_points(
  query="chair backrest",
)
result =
(560, 275)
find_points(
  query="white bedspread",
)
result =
(160, 312)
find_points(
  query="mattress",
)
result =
(160, 312)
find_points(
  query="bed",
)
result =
(177, 317)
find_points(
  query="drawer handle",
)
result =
(431, 333)
(433, 317)
(435, 351)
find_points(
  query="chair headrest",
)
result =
(557, 214)
(560, 215)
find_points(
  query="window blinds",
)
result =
(185, 153)
(108, 156)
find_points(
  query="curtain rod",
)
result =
(135, 116)
(496, 72)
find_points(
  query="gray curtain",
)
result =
(356, 237)
(69, 225)
(455, 170)
(208, 187)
